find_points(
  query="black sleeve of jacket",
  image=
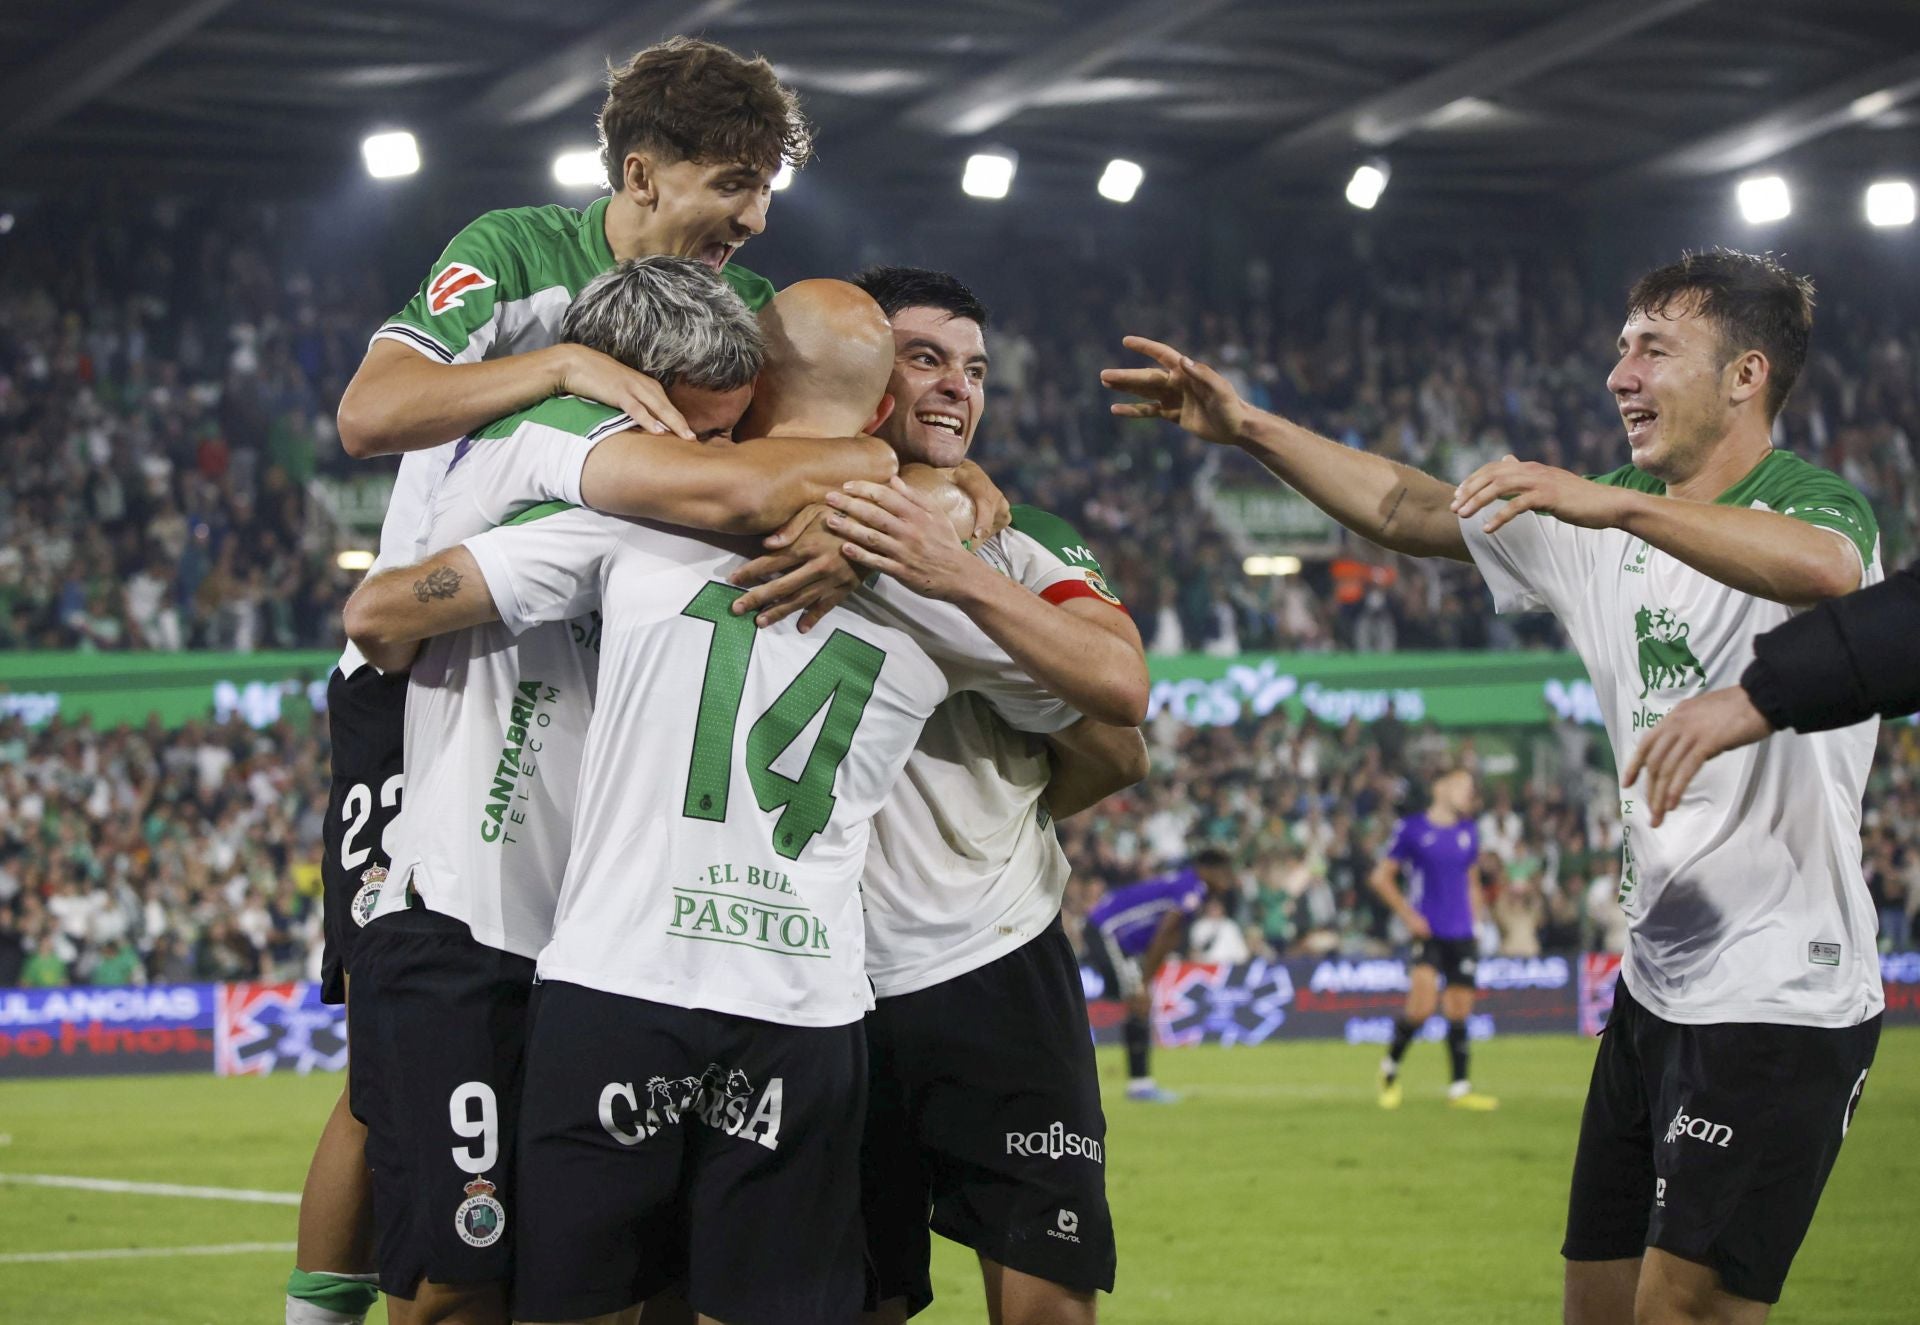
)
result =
(1843, 661)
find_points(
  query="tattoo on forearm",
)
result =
(1399, 495)
(442, 583)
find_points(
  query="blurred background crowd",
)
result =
(168, 378)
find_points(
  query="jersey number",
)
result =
(838, 679)
(356, 807)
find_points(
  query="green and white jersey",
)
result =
(1747, 904)
(501, 287)
(497, 722)
(731, 773)
(964, 866)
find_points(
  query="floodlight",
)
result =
(1121, 180)
(1764, 198)
(1890, 202)
(1368, 183)
(580, 169)
(390, 155)
(354, 558)
(781, 177)
(988, 175)
(1258, 565)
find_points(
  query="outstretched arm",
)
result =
(746, 488)
(1394, 505)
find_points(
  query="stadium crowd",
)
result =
(136, 855)
(167, 388)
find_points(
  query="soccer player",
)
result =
(979, 1029)
(1130, 933)
(495, 730)
(1441, 851)
(1749, 1003)
(695, 1075)
(691, 135)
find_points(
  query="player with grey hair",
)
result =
(673, 315)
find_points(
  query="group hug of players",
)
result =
(712, 956)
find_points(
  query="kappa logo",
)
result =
(367, 900)
(481, 1220)
(1714, 1134)
(1665, 656)
(451, 287)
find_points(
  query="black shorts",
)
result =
(1712, 1142)
(437, 1036)
(663, 1143)
(984, 1107)
(367, 716)
(1457, 960)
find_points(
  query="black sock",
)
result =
(1457, 1048)
(1139, 1038)
(1403, 1033)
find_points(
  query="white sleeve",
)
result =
(546, 569)
(1531, 563)
(536, 464)
(971, 661)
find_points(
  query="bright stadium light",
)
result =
(1121, 180)
(1368, 183)
(1890, 202)
(354, 558)
(1764, 198)
(390, 155)
(988, 175)
(1271, 566)
(781, 177)
(579, 169)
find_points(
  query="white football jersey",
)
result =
(965, 866)
(497, 722)
(731, 772)
(1747, 904)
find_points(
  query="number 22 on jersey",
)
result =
(839, 678)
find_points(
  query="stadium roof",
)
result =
(1270, 100)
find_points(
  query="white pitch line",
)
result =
(151, 1188)
(118, 1253)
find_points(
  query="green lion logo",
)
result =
(1665, 658)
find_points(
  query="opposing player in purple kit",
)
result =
(691, 135)
(979, 1029)
(1130, 933)
(1440, 851)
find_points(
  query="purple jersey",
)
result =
(1130, 916)
(1437, 860)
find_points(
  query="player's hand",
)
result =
(803, 571)
(1695, 731)
(991, 510)
(601, 377)
(1418, 927)
(1179, 390)
(1527, 486)
(898, 531)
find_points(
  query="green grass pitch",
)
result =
(1276, 1191)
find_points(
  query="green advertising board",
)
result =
(1451, 689)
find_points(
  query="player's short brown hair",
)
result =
(693, 100)
(1756, 303)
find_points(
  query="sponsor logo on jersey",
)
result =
(1714, 1134)
(1823, 954)
(1637, 563)
(1066, 1226)
(1666, 659)
(498, 817)
(720, 1097)
(1098, 583)
(367, 900)
(1056, 1142)
(450, 288)
(480, 1221)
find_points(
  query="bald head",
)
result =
(829, 354)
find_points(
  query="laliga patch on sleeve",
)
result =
(450, 288)
(1823, 954)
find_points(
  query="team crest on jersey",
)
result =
(1098, 584)
(367, 900)
(450, 288)
(1666, 659)
(480, 1220)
